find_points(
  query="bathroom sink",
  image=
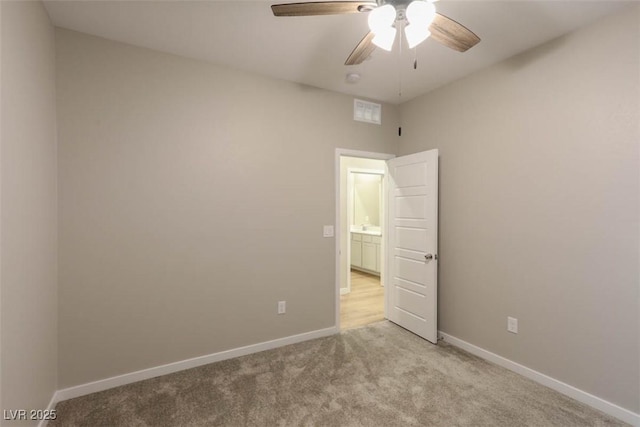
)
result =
(367, 229)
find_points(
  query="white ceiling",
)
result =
(312, 50)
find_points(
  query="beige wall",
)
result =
(28, 242)
(192, 200)
(539, 193)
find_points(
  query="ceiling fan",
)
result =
(418, 18)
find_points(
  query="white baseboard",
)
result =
(566, 389)
(105, 384)
(50, 406)
(344, 291)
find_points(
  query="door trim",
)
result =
(343, 152)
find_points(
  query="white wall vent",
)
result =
(367, 112)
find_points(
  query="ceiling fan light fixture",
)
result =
(384, 38)
(417, 17)
(381, 21)
(381, 18)
(421, 12)
(416, 34)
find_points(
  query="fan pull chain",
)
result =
(400, 62)
(415, 58)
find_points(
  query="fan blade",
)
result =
(322, 8)
(452, 34)
(362, 50)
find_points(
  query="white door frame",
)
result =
(342, 152)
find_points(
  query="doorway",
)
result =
(409, 226)
(364, 304)
(360, 216)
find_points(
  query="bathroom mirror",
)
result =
(367, 192)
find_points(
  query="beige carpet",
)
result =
(378, 375)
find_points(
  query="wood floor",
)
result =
(365, 303)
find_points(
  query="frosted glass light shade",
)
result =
(421, 12)
(416, 34)
(381, 21)
(381, 18)
(384, 38)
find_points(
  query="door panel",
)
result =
(411, 207)
(410, 174)
(413, 234)
(409, 321)
(412, 239)
(412, 302)
(403, 253)
(409, 269)
(411, 286)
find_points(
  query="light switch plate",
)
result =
(327, 231)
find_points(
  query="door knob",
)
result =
(428, 257)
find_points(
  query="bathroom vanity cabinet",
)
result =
(365, 251)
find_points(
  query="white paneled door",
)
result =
(412, 251)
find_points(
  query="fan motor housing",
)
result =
(398, 4)
(400, 7)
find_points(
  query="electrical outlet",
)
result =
(512, 325)
(282, 307)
